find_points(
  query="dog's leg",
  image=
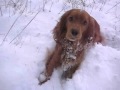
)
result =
(69, 73)
(53, 62)
(43, 76)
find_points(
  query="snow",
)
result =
(22, 60)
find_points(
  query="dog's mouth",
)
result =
(73, 39)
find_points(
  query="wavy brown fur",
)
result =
(62, 29)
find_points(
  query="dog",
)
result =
(73, 34)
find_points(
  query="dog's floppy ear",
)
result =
(93, 30)
(60, 29)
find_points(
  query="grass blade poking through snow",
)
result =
(25, 26)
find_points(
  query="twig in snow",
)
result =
(93, 1)
(1, 12)
(24, 27)
(9, 11)
(30, 5)
(44, 3)
(51, 6)
(5, 3)
(63, 8)
(112, 7)
(10, 29)
(92, 8)
(83, 3)
(117, 21)
(25, 7)
(102, 6)
(13, 25)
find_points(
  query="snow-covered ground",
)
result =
(23, 59)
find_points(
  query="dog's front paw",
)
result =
(43, 78)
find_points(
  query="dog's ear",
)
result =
(60, 29)
(93, 30)
(97, 33)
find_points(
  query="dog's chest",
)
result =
(69, 54)
(71, 51)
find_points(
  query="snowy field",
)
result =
(26, 34)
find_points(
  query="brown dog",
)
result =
(73, 34)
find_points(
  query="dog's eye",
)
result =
(85, 22)
(71, 18)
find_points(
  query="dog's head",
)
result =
(74, 25)
(77, 23)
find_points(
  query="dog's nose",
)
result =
(74, 32)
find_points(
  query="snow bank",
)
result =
(23, 60)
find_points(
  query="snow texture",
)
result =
(22, 60)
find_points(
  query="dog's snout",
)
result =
(74, 32)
